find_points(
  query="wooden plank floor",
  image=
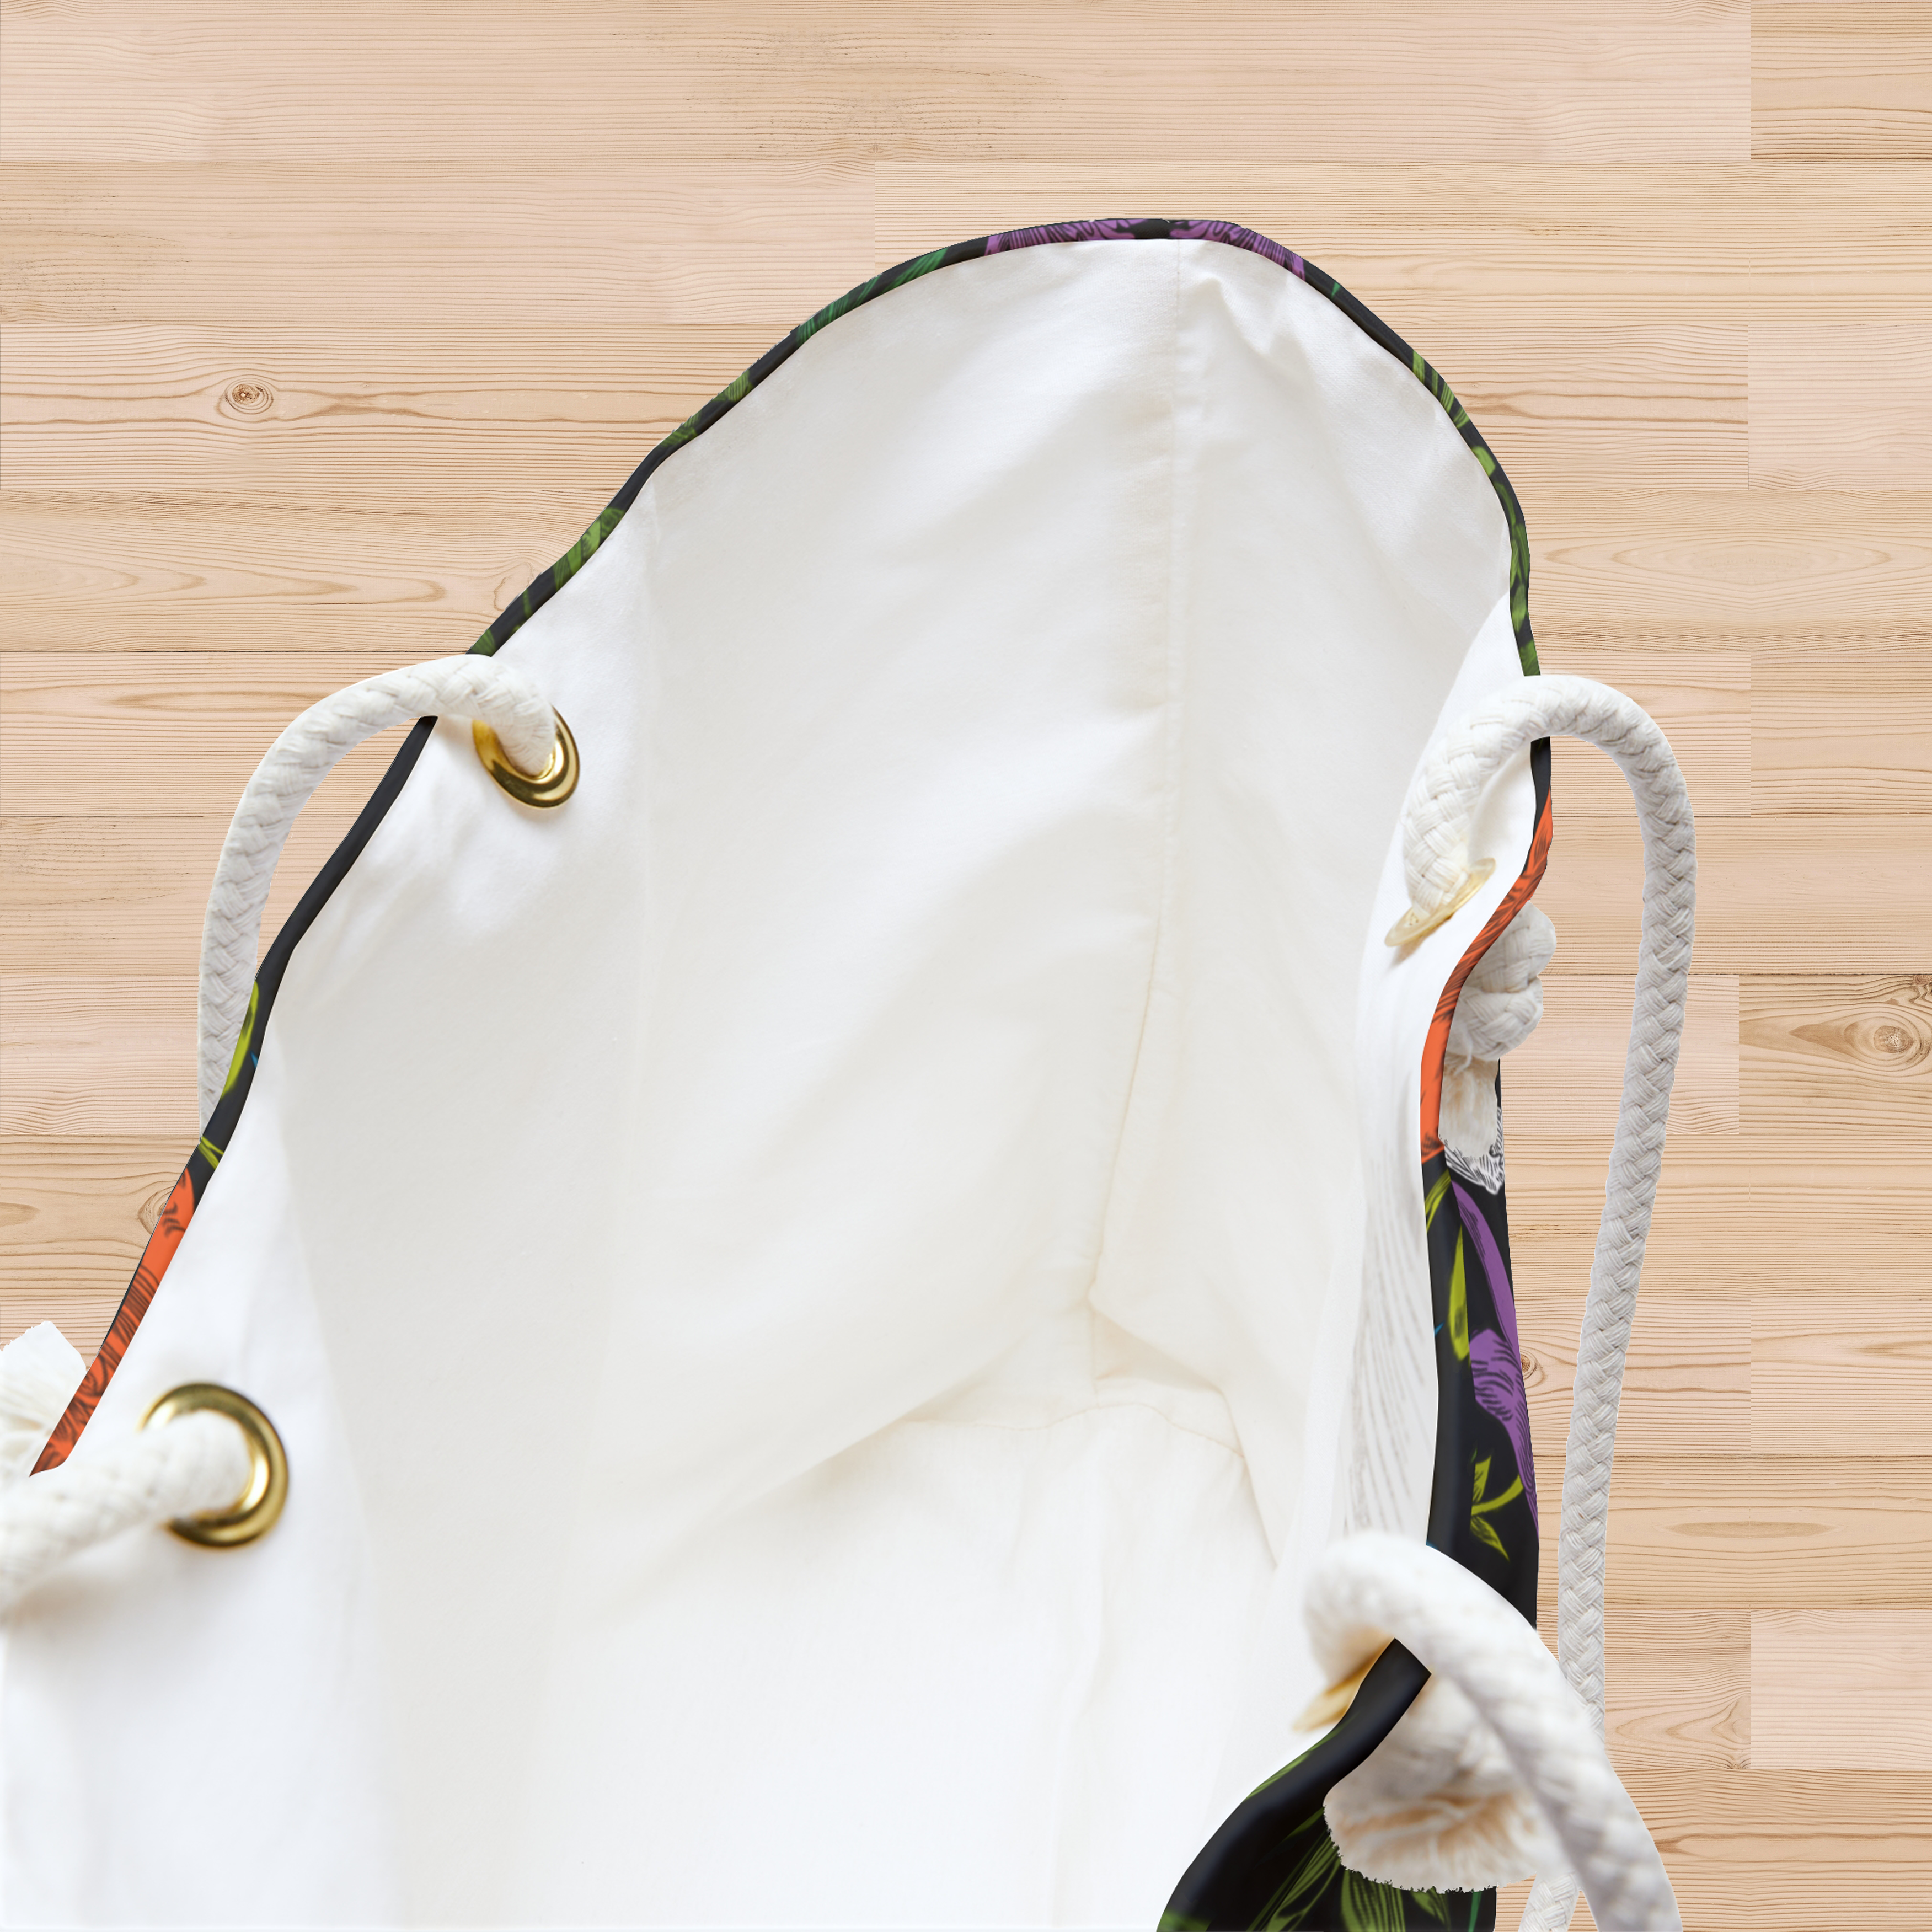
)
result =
(326, 325)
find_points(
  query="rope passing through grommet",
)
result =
(258, 1507)
(206, 1463)
(549, 786)
(525, 729)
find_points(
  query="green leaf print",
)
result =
(1459, 1307)
(244, 1038)
(1367, 1906)
(1434, 1198)
(1304, 1884)
(1483, 1532)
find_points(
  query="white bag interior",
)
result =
(816, 1295)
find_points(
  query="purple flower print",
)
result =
(1237, 237)
(1496, 1360)
(1120, 229)
(1123, 229)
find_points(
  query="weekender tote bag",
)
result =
(849, 1267)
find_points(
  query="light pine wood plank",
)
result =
(1677, 1693)
(1750, 1849)
(1842, 1689)
(1657, 407)
(1844, 406)
(81, 1314)
(1606, 243)
(95, 1055)
(103, 735)
(1850, 895)
(1702, 700)
(1841, 1374)
(1841, 79)
(1854, 891)
(91, 894)
(1677, 1683)
(771, 242)
(1838, 1058)
(1844, 577)
(1569, 1072)
(1055, 82)
(742, 243)
(1827, 735)
(1687, 1381)
(1764, 1221)
(1812, 1852)
(1766, 1532)
(378, 573)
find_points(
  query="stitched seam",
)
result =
(1172, 707)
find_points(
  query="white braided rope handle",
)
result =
(1442, 804)
(194, 1464)
(1459, 1627)
(469, 686)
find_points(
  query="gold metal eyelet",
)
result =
(254, 1512)
(551, 786)
(1417, 924)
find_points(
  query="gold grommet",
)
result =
(1417, 924)
(254, 1512)
(551, 786)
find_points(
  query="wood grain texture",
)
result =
(1679, 1694)
(327, 326)
(1841, 578)
(1686, 1382)
(1751, 1223)
(1832, 79)
(1846, 892)
(194, 243)
(1850, 1059)
(1765, 1532)
(1569, 1072)
(1841, 1376)
(1843, 407)
(1842, 1689)
(1811, 1852)
(1824, 741)
(1046, 79)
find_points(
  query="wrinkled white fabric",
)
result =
(822, 1297)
